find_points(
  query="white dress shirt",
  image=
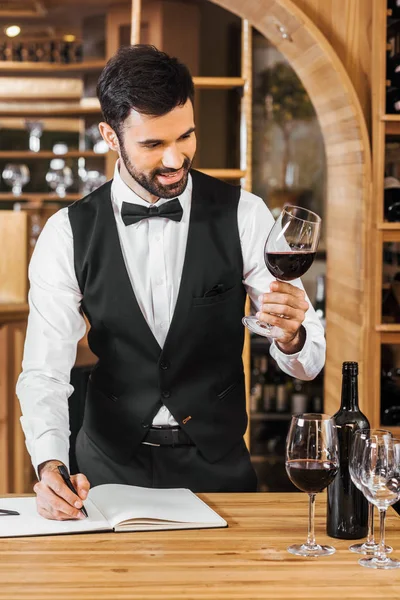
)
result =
(153, 251)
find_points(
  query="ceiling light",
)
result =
(69, 37)
(12, 30)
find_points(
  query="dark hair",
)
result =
(142, 78)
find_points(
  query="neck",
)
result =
(135, 186)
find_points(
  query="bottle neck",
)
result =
(349, 392)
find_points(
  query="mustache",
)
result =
(185, 165)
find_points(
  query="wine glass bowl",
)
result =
(312, 461)
(380, 483)
(289, 252)
(16, 176)
(360, 436)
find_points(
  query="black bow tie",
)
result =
(133, 213)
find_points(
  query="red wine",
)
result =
(309, 475)
(287, 266)
(347, 511)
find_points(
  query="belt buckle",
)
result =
(150, 444)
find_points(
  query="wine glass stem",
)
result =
(370, 535)
(311, 513)
(381, 554)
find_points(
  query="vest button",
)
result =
(165, 393)
(164, 365)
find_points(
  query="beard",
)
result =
(150, 182)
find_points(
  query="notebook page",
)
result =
(29, 522)
(121, 503)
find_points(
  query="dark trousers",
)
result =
(168, 467)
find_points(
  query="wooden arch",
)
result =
(348, 217)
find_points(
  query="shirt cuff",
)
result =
(49, 447)
(301, 354)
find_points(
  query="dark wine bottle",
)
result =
(347, 513)
(394, 6)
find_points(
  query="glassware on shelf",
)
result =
(60, 148)
(59, 177)
(91, 180)
(35, 129)
(94, 135)
(16, 175)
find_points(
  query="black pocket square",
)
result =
(214, 291)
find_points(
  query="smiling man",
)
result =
(159, 260)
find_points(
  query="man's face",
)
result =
(157, 152)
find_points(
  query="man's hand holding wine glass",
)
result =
(285, 306)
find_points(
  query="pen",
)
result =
(65, 475)
(4, 512)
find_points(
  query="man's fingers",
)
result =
(81, 484)
(55, 482)
(284, 300)
(54, 505)
(283, 287)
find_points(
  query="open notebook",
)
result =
(115, 507)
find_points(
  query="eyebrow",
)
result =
(155, 141)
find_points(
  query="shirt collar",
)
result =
(123, 193)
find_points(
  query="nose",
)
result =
(172, 158)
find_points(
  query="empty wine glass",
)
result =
(16, 176)
(289, 252)
(380, 481)
(312, 461)
(355, 461)
(59, 177)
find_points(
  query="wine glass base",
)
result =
(261, 328)
(316, 550)
(368, 549)
(375, 563)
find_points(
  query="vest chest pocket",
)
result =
(225, 392)
(216, 299)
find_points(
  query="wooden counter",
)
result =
(247, 561)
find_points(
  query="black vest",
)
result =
(198, 374)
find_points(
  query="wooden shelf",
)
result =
(37, 111)
(388, 327)
(389, 226)
(26, 154)
(224, 173)
(53, 68)
(218, 83)
(270, 416)
(12, 311)
(39, 197)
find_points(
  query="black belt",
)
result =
(167, 436)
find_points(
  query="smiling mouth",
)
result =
(169, 178)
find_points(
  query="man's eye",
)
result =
(152, 145)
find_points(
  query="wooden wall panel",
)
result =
(347, 25)
(328, 77)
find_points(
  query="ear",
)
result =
(109, 136)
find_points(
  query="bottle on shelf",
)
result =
(394, 7)
(392, 199)
(299, 399)
(256, 391)
(320, 300)
(347, 510)
(269, 397)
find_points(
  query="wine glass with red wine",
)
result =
(312, 461)
(289, 252)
